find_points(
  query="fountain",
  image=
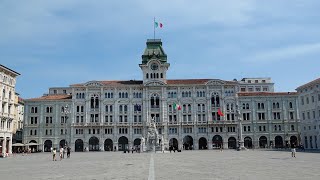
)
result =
(151, 142)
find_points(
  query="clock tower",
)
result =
(154, 64)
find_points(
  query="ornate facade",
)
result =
(189, 113)
(7, 108)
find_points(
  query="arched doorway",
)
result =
(217, 141)
(188, 143)
(78, 145)
(47, 145)
(137, 142)
(173, 143)
(123, 143)
(108, 145)
(34, 148)
(294, 140)
(278, 142)
(248, 142)
(263, 142)
(232, 143)
(203, 143)
(62, 143)
(94, 144)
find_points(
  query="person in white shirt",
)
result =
(61, 153)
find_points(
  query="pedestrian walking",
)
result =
(293, 150)
(61, 153)
(68, 152)
(64, 151)
(54, 152)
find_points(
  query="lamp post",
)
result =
(65, 113)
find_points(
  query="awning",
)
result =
(18, 144)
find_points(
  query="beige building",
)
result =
(309, 101)
(18, 119)
(7, 108)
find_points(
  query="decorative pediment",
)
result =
(215, 82)
(93, 84)
(155, 83)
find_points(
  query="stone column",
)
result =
(209, 143)
(10, 146)
(4, 147)
(225, 144)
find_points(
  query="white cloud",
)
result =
(284, 53)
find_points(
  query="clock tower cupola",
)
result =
(154, 64)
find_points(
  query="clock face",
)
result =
(154, 66)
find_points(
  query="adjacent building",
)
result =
(18, 120)
(309, 101)
(7, 108)
(189, 113)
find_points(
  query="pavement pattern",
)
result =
(205, 164)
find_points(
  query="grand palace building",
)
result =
(189, 113)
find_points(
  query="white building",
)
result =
(103, 115)
(7, 108)
(309, 102)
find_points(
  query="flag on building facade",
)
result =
(220, 112)
(176, 106)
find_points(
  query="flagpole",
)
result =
(154, 28)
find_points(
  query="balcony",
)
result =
(187, 123)
(93, 124)
(78, 124)
(137, 124)
(123, 123)
(173, 123)
(108, 123)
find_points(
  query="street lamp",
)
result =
(65, 113)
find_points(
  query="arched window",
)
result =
(127, 95)
(227, 106)
(161, 75)
(92, 102)
(147, 76)
(279, 128)
(198, 94)
(158, 75)
(47, 109)
(290, 105)
(189, 93)
(122, 94)
(247, 106)
(125, 108)
(110, 108)
(273, 105)
(231, 107)
(120, 108)
(275, 127)
(189, 108)
(243, 106)
(3, 93)
(182, 94)
(77, 96)
(107, 108)
(199, 107)
(292, 127)
(151, 75)
(278, 105)
(97, 103)
(203, 107)
(262, 105)
(218, 101)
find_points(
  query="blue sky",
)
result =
(61, 42)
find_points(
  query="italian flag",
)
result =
(176, 106)
(220, 112)
(158, 24)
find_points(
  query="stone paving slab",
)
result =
(206, 164)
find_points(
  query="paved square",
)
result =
(185, 165)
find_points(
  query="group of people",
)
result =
(62, 152)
